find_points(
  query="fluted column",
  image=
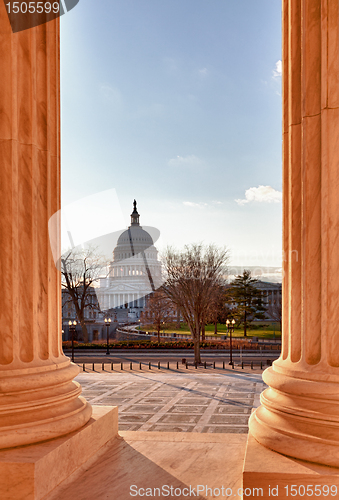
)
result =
(38, 398)
(299, 415)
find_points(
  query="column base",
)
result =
(267, 475)
(298, 417)
(32, 472)
(40, 403)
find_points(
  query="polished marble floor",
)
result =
(184, 401)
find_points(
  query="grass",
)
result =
(261, 329)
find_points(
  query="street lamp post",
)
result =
(72, 325)
(230, 329)
(108, 323)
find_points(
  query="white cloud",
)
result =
(195, 205)
(212, 205)
(261, 194)
(203, 72)
(277, 72)
(185, 161)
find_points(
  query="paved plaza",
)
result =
(193, 401)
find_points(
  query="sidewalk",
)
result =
(193, 401)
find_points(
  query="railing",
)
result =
(177, 365)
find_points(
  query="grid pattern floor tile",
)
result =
(182, 402)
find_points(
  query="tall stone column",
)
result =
(38, 398)
(299, 412)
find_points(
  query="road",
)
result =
(134, 356)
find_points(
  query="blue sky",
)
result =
(178, 104)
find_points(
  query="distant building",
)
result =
(93, 316)
(271, 296)
(271, 293)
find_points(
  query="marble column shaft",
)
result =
(38, 398)
(299, 415)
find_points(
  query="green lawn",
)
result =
(262, 329)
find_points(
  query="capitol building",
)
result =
(134, 273)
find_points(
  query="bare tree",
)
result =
(211, 315)
(218, 309)
(159, 309)
(80, 269)
(192, 277)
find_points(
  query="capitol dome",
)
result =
(135, 271)
(140, 237)
(135, 240)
